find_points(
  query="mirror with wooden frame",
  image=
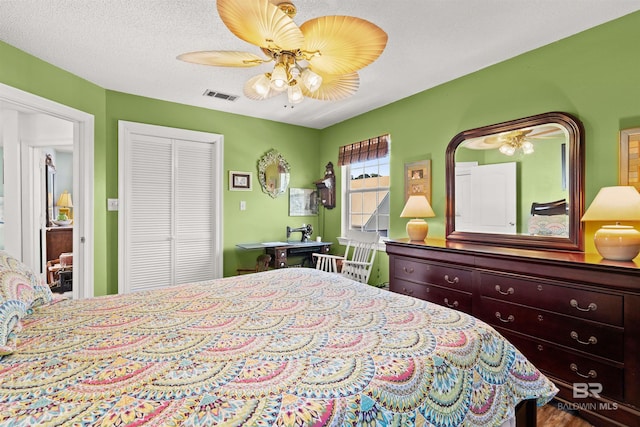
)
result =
(518, 183)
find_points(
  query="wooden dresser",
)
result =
(574, 315)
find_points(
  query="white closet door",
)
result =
(193, 211)
(169, 219)
(149, 212)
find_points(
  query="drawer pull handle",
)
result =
(407, 291)
(590, 374)
(540, 347)
(454, 305)
(408, 269)
(591, 307)
(509, 318)
(509, 291)
(592, 339)
(451, 282)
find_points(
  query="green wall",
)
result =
(592, 75)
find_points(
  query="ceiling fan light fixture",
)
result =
(311, 80)
(527, 147)
(507, 149)
(294, 93)
(279, 77)
(262, 85)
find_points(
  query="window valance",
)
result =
(369, 149)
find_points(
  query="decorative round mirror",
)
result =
(273, 173)
(518, 183)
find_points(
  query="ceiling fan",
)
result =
(319, 59)
(510, 142)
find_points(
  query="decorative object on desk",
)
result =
(273, 173)
(620, 203)
(64, 206)
(417, 179)
(303, 202)
(417, 207)
(327, 187)
(306, 230)
(630, 157)
(240, 181)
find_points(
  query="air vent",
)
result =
(220, 95)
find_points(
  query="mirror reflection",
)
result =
(504, 181)
(273, 173)
(517, 183)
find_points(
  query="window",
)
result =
(366, 189)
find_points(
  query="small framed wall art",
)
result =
(629, 167)
(303, 202)
(240, 181)
(417, 179)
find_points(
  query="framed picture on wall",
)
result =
(303, 202)
(629, 167)
(240, 181)
(417, 179)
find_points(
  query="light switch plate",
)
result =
(112, 204)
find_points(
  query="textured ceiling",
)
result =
(131, 45)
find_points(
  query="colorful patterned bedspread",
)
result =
(289, 347)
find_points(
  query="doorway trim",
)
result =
(83, 179)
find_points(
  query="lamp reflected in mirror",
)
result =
(620, 203)
(64, 206)
(417, 207)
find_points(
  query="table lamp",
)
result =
(65, 204)
(621, 203)
(417, 207)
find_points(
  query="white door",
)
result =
(488, 200)
(169, 206)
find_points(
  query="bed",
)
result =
(286, 347)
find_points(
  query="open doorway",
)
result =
(24, 187)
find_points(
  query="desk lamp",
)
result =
(65, 204)
(621, 203)
(417, 207)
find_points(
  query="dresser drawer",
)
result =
(594, 338)
(449, 298)
(415, 290)
(580, 303)
(452, 277)
(568, 366)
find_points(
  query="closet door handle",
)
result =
(509, 291)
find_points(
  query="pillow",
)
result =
(10, 314)
(39, 294)
(20, 290)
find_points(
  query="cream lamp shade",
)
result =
(620, 203)
(417, 207)
(64, 203)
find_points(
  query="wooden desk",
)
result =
(281, 252)
(59, 240)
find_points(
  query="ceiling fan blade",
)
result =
(261, 23)
(346, 44)
(223, 58)
(251, 93)
(334, 87)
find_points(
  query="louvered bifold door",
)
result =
(149, 210)
(194, 215)
(169, 208)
